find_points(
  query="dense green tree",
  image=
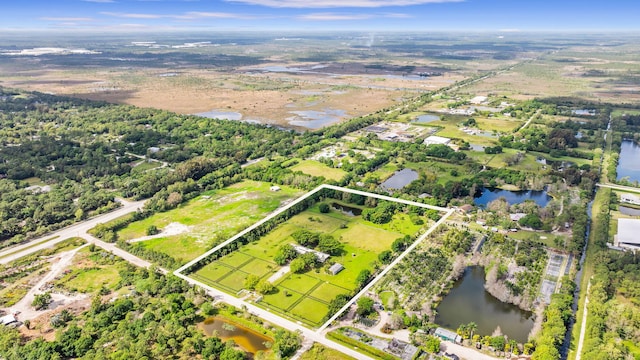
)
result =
(365, 306)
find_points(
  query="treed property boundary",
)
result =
(184, 271)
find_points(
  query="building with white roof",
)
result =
(436, 140)
(628, 236)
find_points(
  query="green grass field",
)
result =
(305, 297)
(90, 272)
(144, 166)
(316, 168)
(212, 218)
(319, 352)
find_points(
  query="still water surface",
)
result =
(400, 179)
(513, 197)
(248, 339)
(468, 301)
(629, 163)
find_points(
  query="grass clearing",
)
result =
(311, 310)
(90, 271)
(316, 168)
(211, 217)
(319, 352)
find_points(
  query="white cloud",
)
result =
(193, 15)
(319, 4)
(100, 1)
(66, 19)
(218, 15)
(333, 17)
(133, 15)
(328, 16)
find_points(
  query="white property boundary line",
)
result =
(299, 200)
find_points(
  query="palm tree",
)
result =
(462, 330)
(471, 328)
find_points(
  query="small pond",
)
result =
(248, 339)
(468, 301)
(589, 112)
(351, 211)
(476, 147)
(629, 163)
(628, 211)
(513, 197)
(222, 115)
(313, 119)
(400, 179)
(424, 119)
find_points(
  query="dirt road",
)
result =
(59, 264)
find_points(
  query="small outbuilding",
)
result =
(336, 268)
(275, 188)
(8, 319)
(447, 335)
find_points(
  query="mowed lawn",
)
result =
(305, 297)
(212, 218)
(316, 168)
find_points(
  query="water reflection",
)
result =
(468, 301)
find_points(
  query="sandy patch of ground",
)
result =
(59, 263)
(174, 228)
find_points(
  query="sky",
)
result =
(311, 15)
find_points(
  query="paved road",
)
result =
(465, 353)
(309, 334)
(620, 187)
(77, 230)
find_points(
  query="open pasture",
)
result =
(210, 218)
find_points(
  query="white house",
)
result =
(629, 199)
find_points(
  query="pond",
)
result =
(583, 112)
(476, 147)
(424, 119)
(629, 163)
(348, 210)
(313, 119)
(468, 301)
(250, 340)
(222, 115)
(628, 211)
(400, 179)
(513, 197)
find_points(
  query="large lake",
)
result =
(629, 163)
(468, 301)
(513, 197)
